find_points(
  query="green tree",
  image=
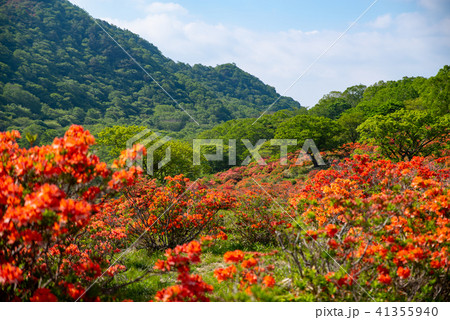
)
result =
(112, 140)
(14, 93)
(407, 133)
(436, 91)
(330, 108)
(371, 109)
(354, 94)
(323, 131)
(181, 161)
(238, 130)
(349, 121)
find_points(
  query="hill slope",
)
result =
(58, 67)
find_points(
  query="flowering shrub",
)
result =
(246, 273)
(190, 287)
(245, 269)
(256, 215)
(48, 195)
(374, 229)
(172, 214)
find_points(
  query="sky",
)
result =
(302, 48)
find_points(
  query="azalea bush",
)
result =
(248, 277)
(261, 193)
(190, 287)
(257, 215)
(48, 196)
(164, 216)
(373, 229)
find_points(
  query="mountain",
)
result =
(58, 67)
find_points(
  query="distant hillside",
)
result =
(58, 67)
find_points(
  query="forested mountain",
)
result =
(59, 68)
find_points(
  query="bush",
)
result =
(164, 216)
(48, 196)
(373, 229)
(257, 216)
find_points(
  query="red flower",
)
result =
(249, 263)
(384, 278)
(10, 274)
(160, 265)
(333, 243)
(43, 295)
(403, 273)
(223, 274)
(251, 278)
(233, 256)
(331, 230)
(312, 234)
(268, 281)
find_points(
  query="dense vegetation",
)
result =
(58, 67)
(407, 117)
(366, 229)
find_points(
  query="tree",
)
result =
(331, 108)
(14, 93)
(436, 91)
(349, 122)
(323, 131)
(333, 104)
(238, 130)
(181, 161)
(112, 140)
(407, 133)
(354, 94)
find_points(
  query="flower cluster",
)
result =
(48, 195)
(246, 269)
(386, 223)
(190, 287)
(171, 214)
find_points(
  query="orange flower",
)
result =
(312, 234)
(223, 274)
(331, 230)
(251, 278)
(233, 256)
(10, 274)
(193, 248)
(384, 278)
(435, 264)
(403, 273)
(268, 281)
(249, 263)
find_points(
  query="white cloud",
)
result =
(435, 5)
(382, 22)
(160, 7)
(389, 47)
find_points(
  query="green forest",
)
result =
(58, 67)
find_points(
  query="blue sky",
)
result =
(260, 15)
(278, 40)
